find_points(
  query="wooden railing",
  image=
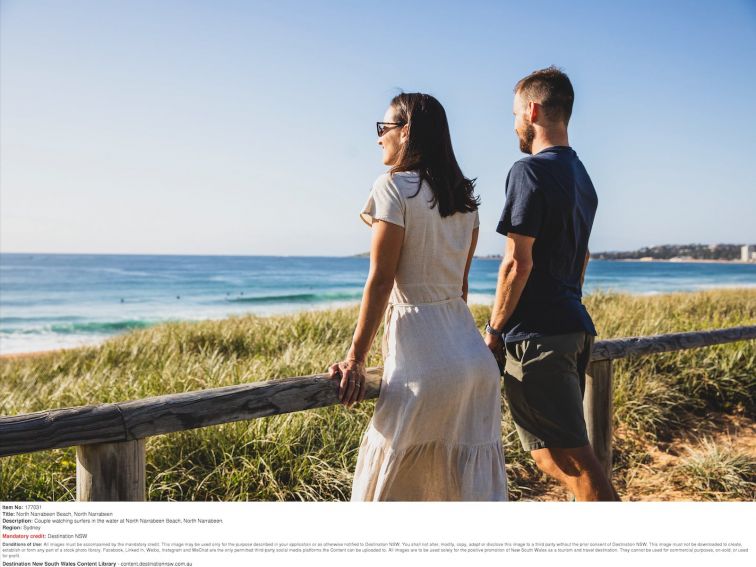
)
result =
(109, 438)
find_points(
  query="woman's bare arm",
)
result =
(385, 250)
(470, 255)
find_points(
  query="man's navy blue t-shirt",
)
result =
(551, 198)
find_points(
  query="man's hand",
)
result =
(496, 346)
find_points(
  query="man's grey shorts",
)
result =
(544, 379)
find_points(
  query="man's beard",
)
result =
(526, 139)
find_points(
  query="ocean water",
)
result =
(50, 301)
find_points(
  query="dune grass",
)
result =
(311, 455)
(718, 472)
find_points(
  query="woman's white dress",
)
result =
(436, 431)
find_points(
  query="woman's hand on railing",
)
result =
(352, 385)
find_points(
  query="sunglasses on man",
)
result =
(383, 127)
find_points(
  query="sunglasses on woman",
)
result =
(383, 127)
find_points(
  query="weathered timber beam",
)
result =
(111, 472)
(634, 346)
(597, 408)
(179, 412)
(125, 421)
(57, 428)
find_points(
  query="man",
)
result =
(539, 329)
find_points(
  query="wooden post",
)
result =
(597, 407)
(108, 472)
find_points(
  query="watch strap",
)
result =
(491, 331)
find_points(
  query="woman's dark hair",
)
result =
(428, 150)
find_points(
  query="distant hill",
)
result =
(661, 252)
(670, 251)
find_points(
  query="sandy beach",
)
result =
(33, 354)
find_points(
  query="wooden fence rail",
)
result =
(110, 455)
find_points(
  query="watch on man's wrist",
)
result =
(491, 331)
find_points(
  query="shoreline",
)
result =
(38, 353)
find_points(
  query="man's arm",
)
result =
(513, 275)
(585, 267)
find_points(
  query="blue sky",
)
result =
(248, 127)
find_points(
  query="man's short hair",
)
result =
(552, 89)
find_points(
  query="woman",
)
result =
(435, 434)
